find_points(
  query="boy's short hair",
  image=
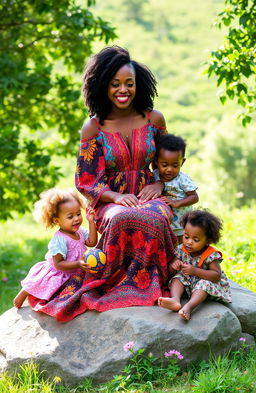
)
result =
(170, 142)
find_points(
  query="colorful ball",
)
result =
(96, 258)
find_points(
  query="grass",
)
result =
(228, 374)
(23, 243)
(238, 245)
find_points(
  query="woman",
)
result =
(117, 148)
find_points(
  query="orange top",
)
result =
(208, 251)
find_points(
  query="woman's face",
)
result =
(122, 87)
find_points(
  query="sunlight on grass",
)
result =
(222, 374)
(238, 245)
(28, 379)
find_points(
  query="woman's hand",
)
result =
(151, 191)
(128, 200)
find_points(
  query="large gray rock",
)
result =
(92, 344)
(244, 307)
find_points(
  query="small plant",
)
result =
(172, 368)
(146, 369)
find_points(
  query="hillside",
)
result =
(174, 39)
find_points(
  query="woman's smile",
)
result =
(122, 99)
(122, 87)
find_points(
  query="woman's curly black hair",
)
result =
(98, 73)
(205, 220)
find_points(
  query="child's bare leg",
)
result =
(173, 303)
(20, 298)
(197, 297)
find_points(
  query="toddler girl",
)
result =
(179, 189)
(65, 250)
(198, 265)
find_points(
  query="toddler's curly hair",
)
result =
(205, 220)
(47, 208)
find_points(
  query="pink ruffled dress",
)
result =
(43, 279)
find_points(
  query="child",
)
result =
(179, 191)
(67, 247)
(198, 265)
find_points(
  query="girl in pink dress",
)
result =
(66, 248)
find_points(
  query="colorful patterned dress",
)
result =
(218, 291)
(138, 242)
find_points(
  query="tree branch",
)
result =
(3, 26)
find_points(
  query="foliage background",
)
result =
(43, 47)
(175, 39)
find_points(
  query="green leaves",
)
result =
(44, 45)
(234, 63)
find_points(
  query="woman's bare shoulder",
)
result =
(89, 129)
(157, 118)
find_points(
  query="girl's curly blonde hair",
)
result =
(46, 209)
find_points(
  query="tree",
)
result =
(234, 63)
(44, 44)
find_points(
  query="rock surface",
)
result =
(92, 344)
(244, 307)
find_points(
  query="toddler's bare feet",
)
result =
(185, 312)
(20, 298)
(169, 302)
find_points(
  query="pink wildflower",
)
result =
(172, 353)
(235, 272)
(4, 279)
(242, 339)
(128, 346)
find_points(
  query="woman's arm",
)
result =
(89, 129)
(157, 118)
(153, 191)
(92, 170)
(213, 274)
(91, 179)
